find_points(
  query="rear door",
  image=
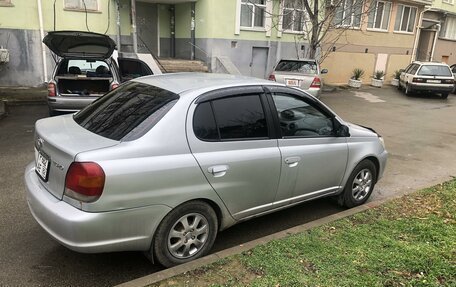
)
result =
(313, 157)
(130, 68)
(230, 135)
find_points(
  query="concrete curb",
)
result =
(180, 269)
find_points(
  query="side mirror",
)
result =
(343, 131)
(401, 70)
(324, 71)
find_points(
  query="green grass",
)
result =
(410, 241)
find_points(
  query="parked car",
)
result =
(427, 77)
(162, 163)
(304, 74)
(86, 69)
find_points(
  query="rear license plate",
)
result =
(292, 82)
(41, 165)
(434, 81)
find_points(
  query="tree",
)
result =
(320, 23)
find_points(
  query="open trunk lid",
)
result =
(79, 44)
(57, 142)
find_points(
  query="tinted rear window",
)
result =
(124, 110)
(435, 70)
(305, 67)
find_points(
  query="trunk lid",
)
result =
(79, 44)
(59, 140)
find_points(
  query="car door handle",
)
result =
(292, 161)
(218, 170)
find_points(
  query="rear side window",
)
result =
(233, 118)
(435, 70)
(133, 107)
(414, 69)
(305, 67)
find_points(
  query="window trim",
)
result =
(449, 2)
(81, 8)
(408, 22)
(6, 3)
(383, 17)
(293, 11)
(312, 102)
(232, 93)
(252, 10)
(352, 17)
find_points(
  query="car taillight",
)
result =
(84, 181)
(51, 90)
(316, 83)
(448, 81)
(272, 77)
(114, 86)
(419, 80)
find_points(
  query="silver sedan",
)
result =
(163, 163)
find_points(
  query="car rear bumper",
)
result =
(122, 230)
(382, 158)
(69, 104)
(448, 88)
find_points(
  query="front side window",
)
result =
(294, 16)
(405, 18)
(131, 108)
(253, 13)
(89, 5)
(298, 118)
(233, 118)
(348, 13)
(379, 15)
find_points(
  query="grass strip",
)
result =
(410, 241)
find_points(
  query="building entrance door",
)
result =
(259, 62)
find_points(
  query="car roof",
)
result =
(186, 82)
(430, 63)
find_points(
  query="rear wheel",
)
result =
(408, 90)
(444, 95)
(360, 185)
(186, 233)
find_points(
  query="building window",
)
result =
(348, 13)
(379, 15)
(447, 1)
(81, 5)
(448, 30)
(6, 3)
(294, 16)
(253, 13)
(405, 19)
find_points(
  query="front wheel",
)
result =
(186, 233)
(360, 185)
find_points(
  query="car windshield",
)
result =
(304, 67)
(435, 70)
(127, 112)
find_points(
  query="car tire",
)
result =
(186, 233)
(399, 87)
(444, 95)
(360, 185)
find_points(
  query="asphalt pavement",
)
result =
(419, 134)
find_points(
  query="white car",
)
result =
(427, 77)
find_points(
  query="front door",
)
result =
(230, 139)
(313, 157)
(259, 62)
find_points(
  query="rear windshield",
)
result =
(88, 68)
(305, 67)
(127, 112)
(435, 70)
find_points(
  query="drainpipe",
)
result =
(43, 48)
(133, 26)
(119, 44)
(172, 43)
(192, 31)
(418, 33)
(435, 41)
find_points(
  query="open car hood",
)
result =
(79, 44)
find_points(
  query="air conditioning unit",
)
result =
(4, 56)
